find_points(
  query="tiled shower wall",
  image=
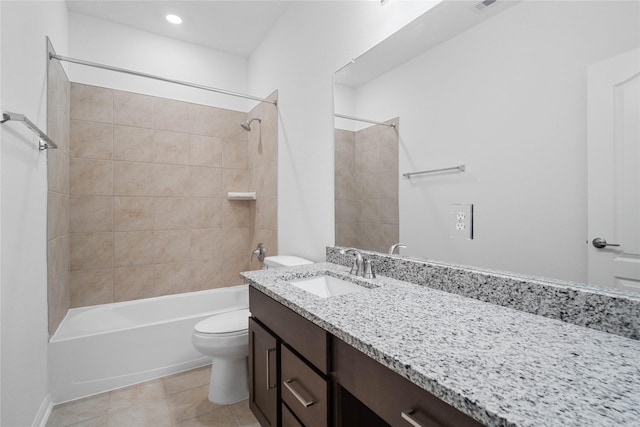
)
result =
(58, 254)
(366, 187)
(148, 182)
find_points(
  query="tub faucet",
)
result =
(260, 252)
(393, 248)
(358, 261)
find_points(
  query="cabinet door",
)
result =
(263, 374)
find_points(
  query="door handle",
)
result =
(600, 243)
(298, 392)
(269, 351)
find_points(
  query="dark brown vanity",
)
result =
(301, 375)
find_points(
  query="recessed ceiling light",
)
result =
(174, 19)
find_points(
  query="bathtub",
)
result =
(104, 347)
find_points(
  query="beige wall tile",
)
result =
(91, 103)
(57, 214)
(206, 182)
(133, 213)
(131, 283)
(206, 274)
(231, 128)
(345, 163)
(235, 154)
(236, 180)
(133, 248)
(347, 210)
(172, 246)
(132, 109)
(91, 177)
(205, 120)
(231, 269)
(91, 250)
(235, 242)
(237, 214)
(91, 213)
(133, 179)
(91, 287)
(206, 244)
(170, 115)
(58, 170)
(172, 278)
(91, 139)
(205, 151)
(171, 213)
(206, 213)
(389, 211)
(345, 141)
(132, 144)
(171, 181)
(171, 148)
(369, 210)
(58, 280)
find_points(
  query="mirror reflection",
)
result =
(511, 92)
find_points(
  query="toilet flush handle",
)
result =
(260, 252)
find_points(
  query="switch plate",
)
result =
(461, 221)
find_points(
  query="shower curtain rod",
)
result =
(358, 119)
(163, 79)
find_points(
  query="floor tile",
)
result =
(186, 380)
(218, 417)
(243, 414)
(179, 400)
(138, 394)
(78, 410)
(190, 403)
(152, 414)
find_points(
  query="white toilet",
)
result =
(225, 337)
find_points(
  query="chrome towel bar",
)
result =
(460, 168)
(45, 141)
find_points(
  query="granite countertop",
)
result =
(501, 366)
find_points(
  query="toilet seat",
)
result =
(225, 324)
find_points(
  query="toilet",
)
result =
(225, 338)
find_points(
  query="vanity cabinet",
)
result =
(302, 376)
(263, 374)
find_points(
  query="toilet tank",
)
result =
(285, 261)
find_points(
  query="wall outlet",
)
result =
(461, 221)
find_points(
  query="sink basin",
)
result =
(327, 286)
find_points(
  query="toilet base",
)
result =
(229, 381)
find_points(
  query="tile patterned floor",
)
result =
(179, 400)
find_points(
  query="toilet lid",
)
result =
(231, 321)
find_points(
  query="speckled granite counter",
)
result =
(501, 366)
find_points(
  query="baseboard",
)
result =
(43, 413)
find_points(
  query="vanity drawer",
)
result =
(308, 339)
(288, 419)
(304, 391)
(393, 398)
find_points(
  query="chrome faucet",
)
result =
(358, 261)
(393, 248)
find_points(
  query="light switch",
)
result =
(461, 221)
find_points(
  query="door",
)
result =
(614, 171)
(263, 379)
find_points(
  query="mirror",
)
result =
(501, 89)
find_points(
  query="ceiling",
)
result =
(236, 27)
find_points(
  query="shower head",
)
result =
(246, 125)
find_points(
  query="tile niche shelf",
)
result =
(241, 195)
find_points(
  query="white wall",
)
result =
(108, 43)
(309, 43)
(23, 198)
(508, 99)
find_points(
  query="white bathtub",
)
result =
(105, 347)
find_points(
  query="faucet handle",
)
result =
(369, 272)
(393, 248)
(260, 252)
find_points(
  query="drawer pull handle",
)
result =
(408, 416)
(300, 394)
(269, 386)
